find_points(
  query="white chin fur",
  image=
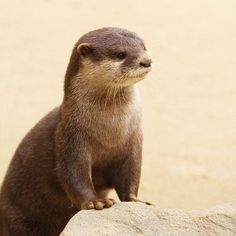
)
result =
(129, 81)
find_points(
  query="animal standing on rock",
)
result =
(90, 144)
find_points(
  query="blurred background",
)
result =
(188, 99)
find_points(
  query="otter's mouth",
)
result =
(133, 77)
(139, 73)
(143, 73)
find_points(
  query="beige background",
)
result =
(188, 98)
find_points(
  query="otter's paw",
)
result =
(147, 203)
(98, 204)
(132, 198)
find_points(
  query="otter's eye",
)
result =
(120, 55)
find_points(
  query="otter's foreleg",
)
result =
(74, 172)
(128, 176)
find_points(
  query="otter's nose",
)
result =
(145, 63)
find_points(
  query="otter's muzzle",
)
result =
(146, 63)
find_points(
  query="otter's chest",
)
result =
(112, 128)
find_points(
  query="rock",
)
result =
(126, 219)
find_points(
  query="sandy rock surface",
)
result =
(139, 219)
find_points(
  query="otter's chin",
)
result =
(128, 81)
(134, 78)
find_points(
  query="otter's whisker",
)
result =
(108, 93)
(105, 91)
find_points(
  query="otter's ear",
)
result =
(84, 49)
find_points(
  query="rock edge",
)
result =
(139, 219)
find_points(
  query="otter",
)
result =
(89, 145)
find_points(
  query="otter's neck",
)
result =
(87, 94)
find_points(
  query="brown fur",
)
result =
(80, 150)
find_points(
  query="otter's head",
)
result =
(111, 56)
